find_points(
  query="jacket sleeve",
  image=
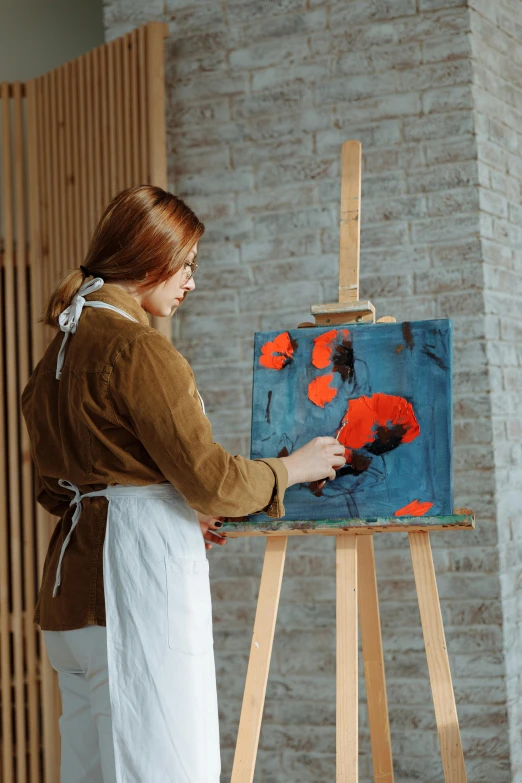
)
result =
(154, 395)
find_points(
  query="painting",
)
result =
(384, 391)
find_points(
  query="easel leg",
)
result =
(370, 621)
(347, 660)
(259, 661)
(438, 662)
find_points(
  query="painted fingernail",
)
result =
(218, 524)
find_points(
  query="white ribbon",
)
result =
(76, 516)
(69, 318)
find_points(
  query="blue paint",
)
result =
(413, 361)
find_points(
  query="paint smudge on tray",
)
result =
(414, 509)
(277, 353)
(319, 390)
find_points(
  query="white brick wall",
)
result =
(497, 51)
(260, 98)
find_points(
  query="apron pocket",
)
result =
(189, 605)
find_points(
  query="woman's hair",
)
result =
(143, 231)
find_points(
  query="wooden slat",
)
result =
(53, 176)
(112, 118)
(83, 192)
(438, 661)
(63, 261)
(76, 158)
(12, 413)
(90, 132)
(350, 233)
(35, 249)
(373, 659)
(5, 632)
(347, 695)
(127, 107)
(143, 101)
(119, 115)
(98, 163)
(47, 233)
(69, 195)
(27, 495)
(135, 113)
(259, 661)
(105, 134)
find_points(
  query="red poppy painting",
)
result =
(384, 391)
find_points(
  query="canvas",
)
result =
(384, 391)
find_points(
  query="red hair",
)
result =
(145, 232)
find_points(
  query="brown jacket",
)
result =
(125, 411)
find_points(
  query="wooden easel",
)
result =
(356, 585)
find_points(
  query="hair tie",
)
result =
(87, 272)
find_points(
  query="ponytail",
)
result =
(62, 297)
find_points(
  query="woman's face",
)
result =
(164, 299)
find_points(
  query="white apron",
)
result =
(159, 630)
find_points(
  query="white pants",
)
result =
(80, 658)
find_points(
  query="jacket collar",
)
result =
(116, 295)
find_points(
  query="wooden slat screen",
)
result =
(70, 141)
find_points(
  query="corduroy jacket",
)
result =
(125, 411)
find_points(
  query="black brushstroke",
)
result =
(440, 362)
(343, 359)
(386, 439)
(407, 334)
(359, 463)
(289, 359)
(314, 488)
(267, 412)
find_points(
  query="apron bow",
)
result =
(76, 500)
(68, 319)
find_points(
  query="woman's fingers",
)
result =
(215, 539)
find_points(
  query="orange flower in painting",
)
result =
(322, 350)
(319, 390)
(414, 509)
(275, 354)
(378, 423)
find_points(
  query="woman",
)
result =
(124, 456)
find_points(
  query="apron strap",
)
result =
(77, 501)
(68, 319)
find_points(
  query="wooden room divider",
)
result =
(70, 140)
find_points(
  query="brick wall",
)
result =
(497, 50)
(260, 97)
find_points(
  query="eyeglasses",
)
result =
(188, 270)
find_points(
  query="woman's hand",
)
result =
(208, 524)
(314, 461)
